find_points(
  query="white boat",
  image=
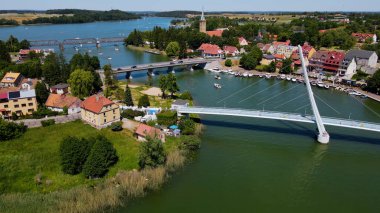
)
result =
(327, 86)
(250, 75)
(260, 76)
(116, 49)
(288, 78)
(294, 80)
(355, 93)
(217, 77)
(216, 69)
(320, 84)
(283, 76)
(229, 70)
(245, 75)
(268, 76)
(313, 83)
(218, 86)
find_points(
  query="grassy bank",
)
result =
(36, 154)
(145, 48)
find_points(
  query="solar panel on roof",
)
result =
(13, 95)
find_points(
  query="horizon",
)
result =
(196, 5)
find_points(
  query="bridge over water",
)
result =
(75, 41)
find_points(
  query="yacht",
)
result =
(282, 76)
(218, 86)
(320, 84)
(288, 78)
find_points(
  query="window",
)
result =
(30, 110)
(29, 99)
(6, 106)
(23, 105)
(14, 101)
(30, 104)
(16, 106)
(105, 120)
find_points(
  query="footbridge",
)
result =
(75, 41)
(169, 65)
(363, 125)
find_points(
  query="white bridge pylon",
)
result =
(323, 136)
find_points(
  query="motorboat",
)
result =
(217, 77)
(320, 84)
(245, 75)
(300, 81)
(313, 83)
(260, 75)
(215, 69)
(355, 93)
(250, 75)
(218, 86)
(327, 86)
(268, 76)
(294, 80)
(282, 76)
(288, 78)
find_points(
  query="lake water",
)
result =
(254, 165)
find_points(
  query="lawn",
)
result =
(37, 152)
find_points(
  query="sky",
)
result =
(209, 5)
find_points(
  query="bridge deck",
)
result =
(158, 65)
(280, 116)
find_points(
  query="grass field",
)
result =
(27, 16)
(37, 152)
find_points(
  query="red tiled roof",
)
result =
(96, 103)
(145, 130)
(230, 49)
(278, 43)
(362, 36)
(61, 101)
(279, 56)
(323, 31)
(210, 49)
(217, 33)
(4, 95)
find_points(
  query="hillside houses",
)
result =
(362, 37)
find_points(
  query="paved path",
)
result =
(32, 123)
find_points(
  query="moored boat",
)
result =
(218, 86)
(283, 76)
(294, 80)
(268, 76)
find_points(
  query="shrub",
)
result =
(187, 126)
(151, 154)
(144, 101)
(102, 156)
(48, 122)
(167, 117)
(130, 113)
(190, 142)
(43, 112)
(186, 96)
(11, 130)
(228, 63)
(117, 126)
(74, 152)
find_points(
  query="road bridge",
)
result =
(75, 41)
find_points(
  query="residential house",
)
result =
(210, 51)
(267, 59)
(285, 50)
(28, 84)
(328, 61)
(60, 89)
(11, 79)
(24, 53)
(307, 50)
(231, 51)
(279, 57)
(143, 131)
(348, 67)
(268, 48)
(179, 103)
(217, 33)
(365, 60)
(58, 103)
(362, 37)
(99, 111)
(20, 102)
(243, 41)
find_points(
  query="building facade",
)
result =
(11, 79)
(99, 111)
(326, 61)
(21, 102)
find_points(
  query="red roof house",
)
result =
(217, 33)
(329, 61)
(231, 50)
(96, 103)
(362, 37)
(143, 131)
(210, 51)
(243, 41)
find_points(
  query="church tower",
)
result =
(202, 23)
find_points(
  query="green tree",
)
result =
(135, 38)
(108, 78)
(128, 97)
(190, 142)
(271, 67)
(81, 83)
(163, 84)
(101, 157)
(228, 63)
(144, 101)
(172, 49)
(187, 126)
(172, 84)
(4, 54)
(51, 70)
(11, 130)
(286, 66)
(373, 83)
(167, 117)
(151, 154)
(74, 152)
(42, 93)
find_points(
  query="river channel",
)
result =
(251, 165)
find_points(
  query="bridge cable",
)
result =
(238, 91)
(260, 92)
(290, 101)
(302, 107)
(327, 104)
(277, 95)
(377, 114)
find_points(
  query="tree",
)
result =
(108, 79)
(287, 66)
(101, 157)
(187, 126)
(172, 49)
(4, 54)
(51, 70)
(151, 154)
(298, 39)
(251, 60)
(144, 101)
(81, 83)
(163, 84)
(190, 142)
(271, 67)
(373, 83)
(167, 117)
(128, 97)
(172, 84)
(74, 152)
(42, 93)
(11, 130)
(228, 63)
(135, 38)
